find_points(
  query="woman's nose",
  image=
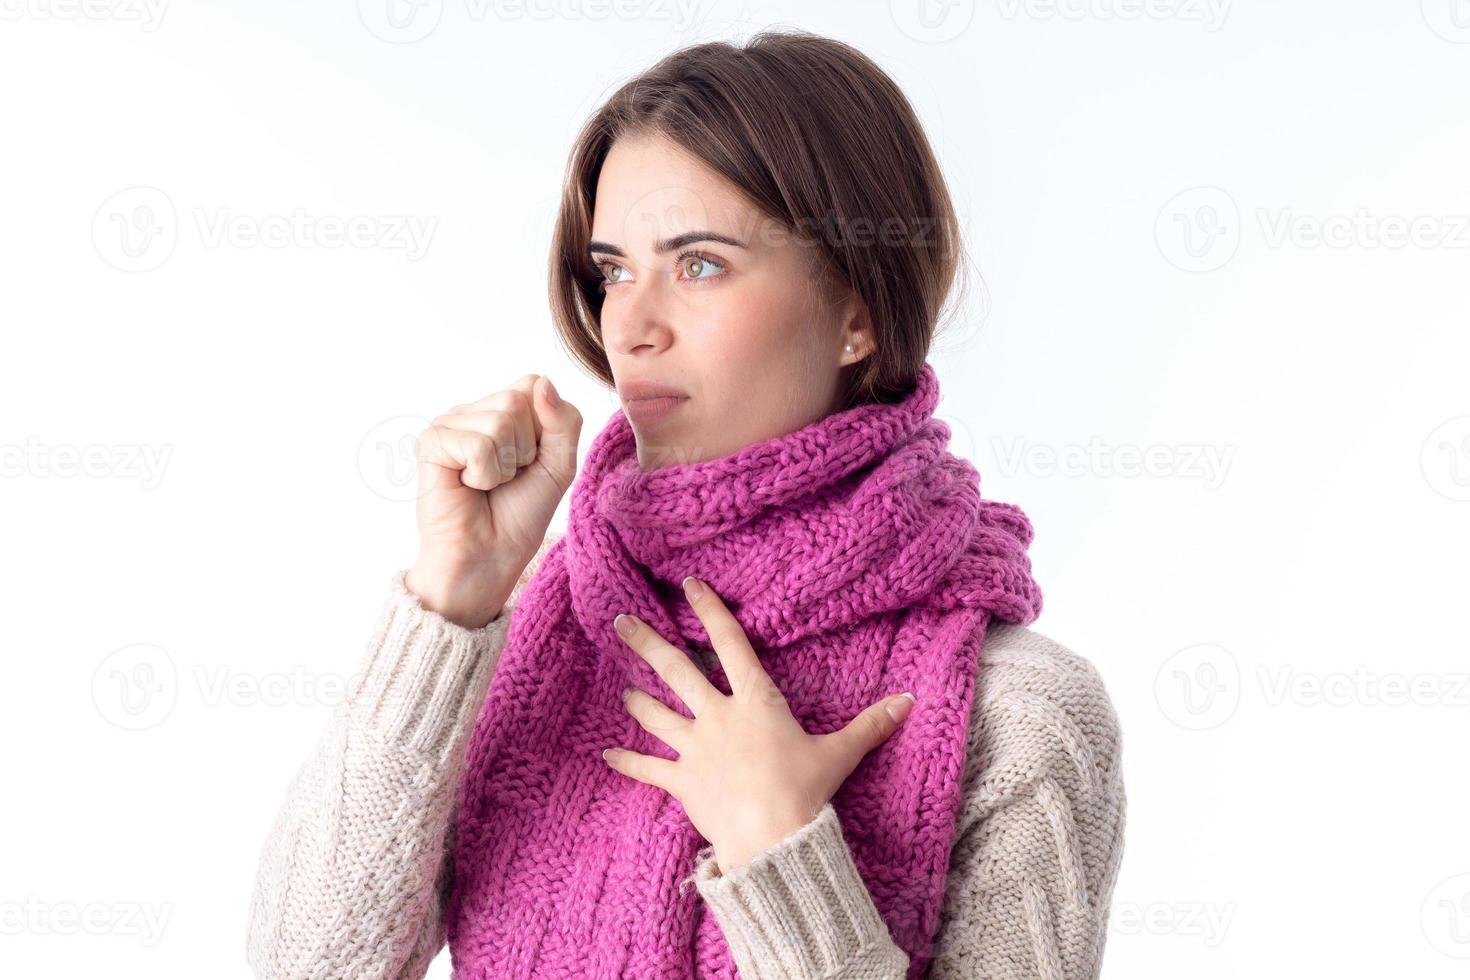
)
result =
(639, 318)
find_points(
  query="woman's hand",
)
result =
(747, 773)
(490, 476)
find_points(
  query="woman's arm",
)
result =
(1041, 837)
(353, 876)
(1036, 854)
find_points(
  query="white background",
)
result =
(1183, 215)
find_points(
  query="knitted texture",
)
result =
(861, 561)
(353, 875)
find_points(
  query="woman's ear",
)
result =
(857, 330)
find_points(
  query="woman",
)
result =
(826, 712)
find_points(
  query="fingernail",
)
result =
(606, 754)
(899, 710)
(624, 624)
(692, 588)
(552, 398)
(627, 693)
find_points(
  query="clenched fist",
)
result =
(490, 476)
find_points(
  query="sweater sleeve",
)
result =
(799, 909)
(1037, 849)
(355, 870)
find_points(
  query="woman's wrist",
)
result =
(468, 596)
(735, 853)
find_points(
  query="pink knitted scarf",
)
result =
(861, 561)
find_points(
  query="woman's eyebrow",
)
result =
(669, 244)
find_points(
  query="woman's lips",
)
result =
(644, 410)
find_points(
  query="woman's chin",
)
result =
(663, 448)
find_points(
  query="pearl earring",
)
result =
(848, 348)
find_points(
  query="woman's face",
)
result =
(706, 295)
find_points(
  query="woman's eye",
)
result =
(694, 266)
(611, 273)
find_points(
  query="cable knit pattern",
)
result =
(859, 558)
(359, 870)
(353, 875)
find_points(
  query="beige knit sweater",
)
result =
(353, 877)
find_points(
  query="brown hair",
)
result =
(817, 136)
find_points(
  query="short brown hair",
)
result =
(821, 139)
